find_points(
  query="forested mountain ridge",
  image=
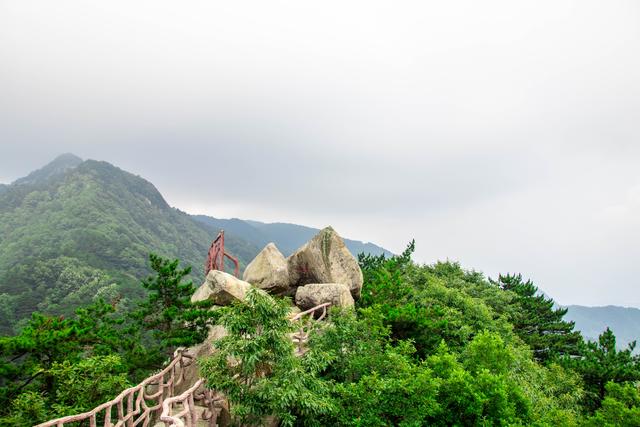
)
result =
(288, 237)
(57, 166)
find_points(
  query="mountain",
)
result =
(70, 231)
(59, 165)
(3, 187)
(75, 229)
(592, 321)
(287, 237)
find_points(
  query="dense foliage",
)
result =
(60, 365)
(168, 311)
(426, 345)
(255, 366)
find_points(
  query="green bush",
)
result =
(255, 366)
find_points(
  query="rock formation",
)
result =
(268, 271)
(221, 288)
(325, 259)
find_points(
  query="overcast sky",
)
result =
(504, 135)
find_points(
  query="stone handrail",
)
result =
(301, 336)
(136, 411)
(189, 411)
(322, 307)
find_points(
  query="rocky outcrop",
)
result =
(203, 349)
(268, 271)
(325, 259)
(191, 372)
(314, 294)
(221, 288)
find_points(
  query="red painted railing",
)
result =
(217, 254)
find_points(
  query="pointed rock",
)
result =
(221, 288)
(325, 259)
(268, 271)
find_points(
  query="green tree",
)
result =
(620, 407)
(372, 382)
(537, 322)
(26, 409)
(600, 363)
(54, 355)
(427, 304)
(78, 386)
(255, 366)
(28, 360)
(168, 311)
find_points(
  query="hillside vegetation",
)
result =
(426, 345)
(81, 231)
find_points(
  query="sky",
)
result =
(504, 135)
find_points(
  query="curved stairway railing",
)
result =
(188, 415)
(177, 411)
(189, 411)
(132, 407)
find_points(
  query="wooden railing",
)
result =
(301, 336)
(135, 406)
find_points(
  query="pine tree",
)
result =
(168, 311)
(538, 322)
(601, 363)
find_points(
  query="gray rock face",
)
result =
(325, 259)
(221, 288)
(268, 271)
(314, 294)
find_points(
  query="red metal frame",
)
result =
(216, 255)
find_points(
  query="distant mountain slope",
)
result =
(287, 237)
(71, 230)
(59, 165)
(592, 321)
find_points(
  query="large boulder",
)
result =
(268, 271)
(325, 259)
(313, 294)
(221, 288)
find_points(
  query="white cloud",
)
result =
(498, 133)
